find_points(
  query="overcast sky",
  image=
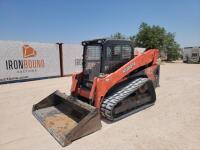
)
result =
(71, 21)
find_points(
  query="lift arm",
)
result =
(106, 83)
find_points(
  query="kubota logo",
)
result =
(28, 51)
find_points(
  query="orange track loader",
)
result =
(114, 84)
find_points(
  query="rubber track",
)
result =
(110, 102)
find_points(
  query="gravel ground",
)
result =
(172, 123)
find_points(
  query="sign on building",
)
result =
(28, 60)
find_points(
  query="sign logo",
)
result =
(28, 63)
(28, 51)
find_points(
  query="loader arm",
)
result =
(106, 83)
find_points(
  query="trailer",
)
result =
(191, 54)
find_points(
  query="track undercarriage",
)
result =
(133, 97)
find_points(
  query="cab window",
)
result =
(118, 52)
(126, 51)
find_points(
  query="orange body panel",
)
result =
(101, 85)
(84, 93)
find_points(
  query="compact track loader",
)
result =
(114, 84)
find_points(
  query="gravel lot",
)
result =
(172, 123)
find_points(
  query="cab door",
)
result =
(116, 56)
(92, 62)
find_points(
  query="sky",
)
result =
(71, 21)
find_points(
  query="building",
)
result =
(191, 54)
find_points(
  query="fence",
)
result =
(72, 53)
(23, 61)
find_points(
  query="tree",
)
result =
(172, 47)
(157, 37)
(154, 37)
(132, 38)
(118, 35)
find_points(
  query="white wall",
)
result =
(12, 52)
(139, 50)
(187, 52)
(72, 58)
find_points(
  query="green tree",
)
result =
(157, 37)
(172, 47)
(132, 38)
(118, 35)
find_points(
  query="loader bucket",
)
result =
(66, 118)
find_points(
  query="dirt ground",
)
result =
(173, 123)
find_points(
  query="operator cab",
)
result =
(104, 56)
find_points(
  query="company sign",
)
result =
(20, 60)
